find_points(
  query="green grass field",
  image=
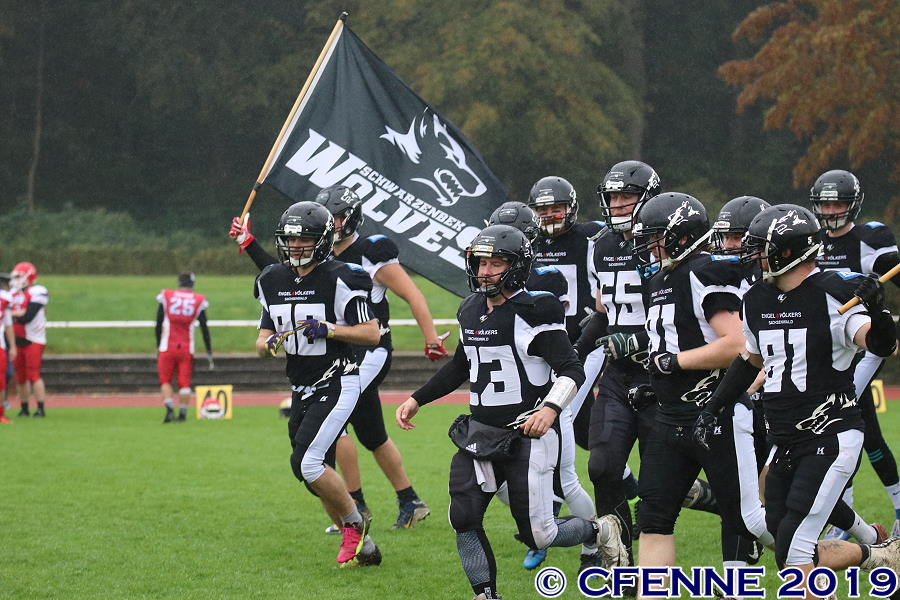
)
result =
(133, 298)
(108, 503)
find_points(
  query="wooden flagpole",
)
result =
(883, 279)
(265, 168)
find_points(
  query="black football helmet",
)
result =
(676, 221)
(735, 217)
(508, 243)
(554, 190)
(785, 235)
(342, 202)
(520, 216)
(628, 177)
(308, 220)
(836, 186)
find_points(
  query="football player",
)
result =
(317, 309)
(694, 326)
(547, 278)
(615, 423)
(179, 312)
(567, 245)
(29, 312)
(379, 256)
(870, 249)
(511, 343)
(7, 340)
(795, 333)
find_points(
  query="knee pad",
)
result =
(464, 518)
(651, 518)
(597, 466)
(372, 436)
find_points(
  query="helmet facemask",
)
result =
(620, 223)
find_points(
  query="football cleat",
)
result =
(835, 533)
(885, 554)
(534, 558)
(609, 542)
(170, 416)
(39, 413)
(369, 555)
(352, 539)
(23, 412)
(411, 513)
(363, 510)
(880, 534)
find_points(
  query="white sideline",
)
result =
(211, 323)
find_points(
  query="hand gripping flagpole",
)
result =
(265, 168)
(883, 279)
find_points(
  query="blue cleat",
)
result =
(834, 533)
(534, 558)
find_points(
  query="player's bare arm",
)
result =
(717, 354)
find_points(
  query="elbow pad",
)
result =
(881, 339)
(559, 396)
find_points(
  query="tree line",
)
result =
(165, 112)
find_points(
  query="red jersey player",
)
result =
(7, 341)
(179, 312)
(29, 312)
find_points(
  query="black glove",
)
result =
(641, 397)
(871, 294)
(703, 427)
(664, 363)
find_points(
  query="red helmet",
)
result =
(23, 275)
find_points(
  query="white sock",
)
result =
(894, 493)
(862, 531)
(169, 403)
(848, 496)
(733, 564)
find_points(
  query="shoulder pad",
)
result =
(877, 235)
(847, 276)
(539, 308)
(874, 224)
(546, 269)
(351, 274)
(380, 248)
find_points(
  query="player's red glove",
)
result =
(240, 232)
(437, 351)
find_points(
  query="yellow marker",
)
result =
(213, 401)
(878, 396)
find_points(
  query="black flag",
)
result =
(421, 181)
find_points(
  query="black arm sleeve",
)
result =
(555, 348)
(259, 256)
(740, 375)
(452, 375)
(30, 313)
(595, 328)
(204, 330)
(885, 263)
(160, 314)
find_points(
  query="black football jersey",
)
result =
(807, 350)
(506, 375)
(334, 291)
(622, 289)
(571, 252)
(372, 253)
(547, 278)
(857, 250)
(681, 302)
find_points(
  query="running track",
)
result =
(249, 399)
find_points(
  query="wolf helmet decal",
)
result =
(452, 179)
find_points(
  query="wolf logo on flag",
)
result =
(431, 137)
